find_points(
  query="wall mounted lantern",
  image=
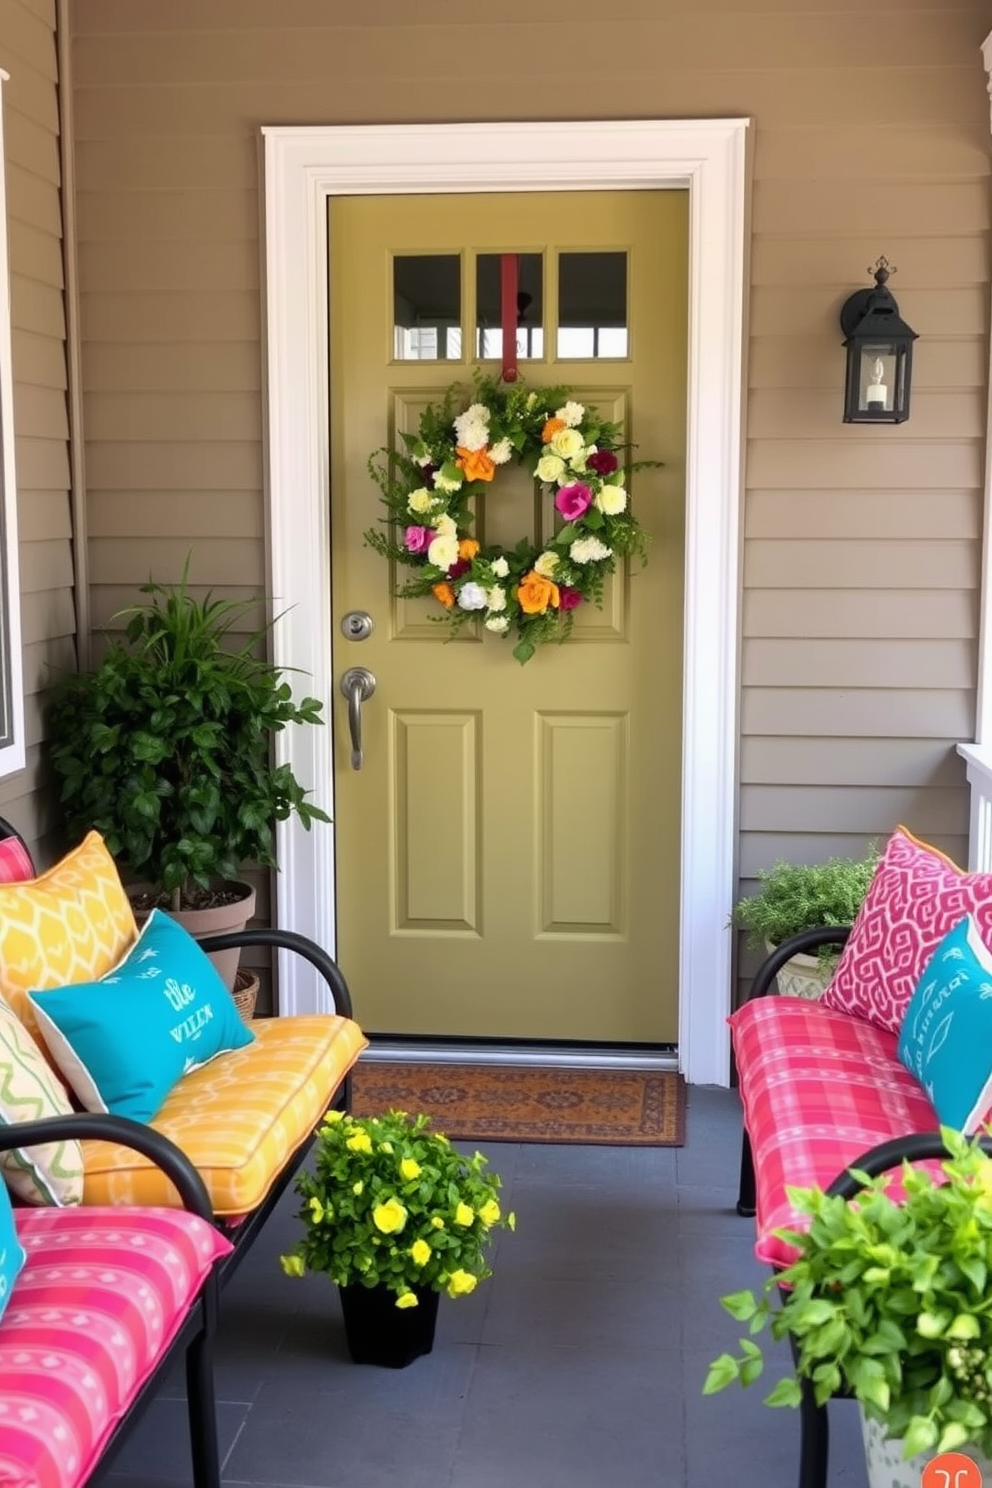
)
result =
(879, 354)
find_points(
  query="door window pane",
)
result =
(530, 306)
(592, 305)
(427, 307)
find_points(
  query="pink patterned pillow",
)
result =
(15, 861)
(914, 898)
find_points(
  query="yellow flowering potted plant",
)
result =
(395, 1215)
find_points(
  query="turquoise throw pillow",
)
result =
(946, 1036)
(11, 1250)
(124, 1041)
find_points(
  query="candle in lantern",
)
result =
(876, 393)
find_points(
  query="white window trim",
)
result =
(12, 754)
(303, 167)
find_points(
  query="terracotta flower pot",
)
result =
(214, 920)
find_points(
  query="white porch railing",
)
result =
(978, 759)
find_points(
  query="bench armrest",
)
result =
(914, 1147)
(289, 940)
(102, 1127)
(806, 940)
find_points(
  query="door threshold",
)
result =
(588, 1056)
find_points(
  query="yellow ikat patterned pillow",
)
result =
(72, 923)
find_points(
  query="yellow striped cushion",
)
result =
(237, 1118)
(53, 1172)
(72, 923)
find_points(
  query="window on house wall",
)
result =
(11, 684)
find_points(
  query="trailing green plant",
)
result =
(165, 747)
(889, 1301)
(804, 896)
(391, 1203)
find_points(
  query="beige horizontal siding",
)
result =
(31, 129)
(861, 762)
(902, 613)
(863, 514)
(798, 662)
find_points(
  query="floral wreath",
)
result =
(530, 591)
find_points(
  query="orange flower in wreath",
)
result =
(445, 594)
(551, 428)
(467, 548)
(536, 594)
(478, 465)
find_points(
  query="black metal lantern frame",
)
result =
(879, 347)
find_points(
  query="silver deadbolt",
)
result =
(356, 625)
(358, 685)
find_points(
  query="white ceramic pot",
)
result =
(887, 1468)
(801, 976)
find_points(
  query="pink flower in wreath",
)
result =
(417, 539)
(568, 599)
(573, 501)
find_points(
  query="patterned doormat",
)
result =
(522, 1103)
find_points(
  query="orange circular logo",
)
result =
(952, 1470)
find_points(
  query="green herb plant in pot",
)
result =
(394, 1215)
(888, 1300)
(804, 896)
(165, 748)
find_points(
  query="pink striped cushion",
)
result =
(102, 1295)
(819, 1088)
(15, 861)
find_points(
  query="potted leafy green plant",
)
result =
(165, 748)
(395, 1215)
(805, 896)
(890, 1302)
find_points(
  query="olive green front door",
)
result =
(508, 853)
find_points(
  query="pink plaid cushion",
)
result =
(103, 1293)
(819, 1089)
(914, 898)
(15, 861)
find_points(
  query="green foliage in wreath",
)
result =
(431, 487)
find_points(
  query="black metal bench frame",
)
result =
(196, 1336)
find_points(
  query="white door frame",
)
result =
(303, 167)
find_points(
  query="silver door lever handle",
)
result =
(358, 685)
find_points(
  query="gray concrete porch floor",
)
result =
(579, 1364)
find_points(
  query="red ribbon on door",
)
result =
(509, 284)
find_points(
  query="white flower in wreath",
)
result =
(443, 552)
(572, 414)
(447, 483)
(496, 598)
(546, 565)
(498, 623)
(550, 468)
(420, 501)
(588, 550)
(500, 568)
(567, 443)
(611, 500)
(472, 427)
(501, 451)
(472, 596)
(445, 525)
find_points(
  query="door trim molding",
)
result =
(303, 167)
